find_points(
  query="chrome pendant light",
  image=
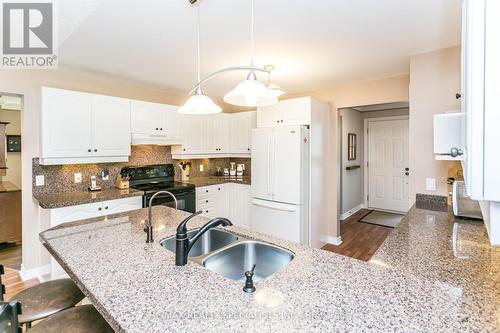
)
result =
(199, 103)
(251, 92)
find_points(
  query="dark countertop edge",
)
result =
(46, 204)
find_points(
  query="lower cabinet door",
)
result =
(240, 205)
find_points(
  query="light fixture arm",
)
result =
(228, 69)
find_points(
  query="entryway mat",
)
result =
(384, 219)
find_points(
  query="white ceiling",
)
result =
(312, 43)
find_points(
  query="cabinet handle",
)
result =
(248, 149)
(184, 149)
(95, 150)
(206, 191)
(106, 207)
(206, 211)
(90, 150)
(206, 201)
(99, 209)
(281, 120)
(277, 121)
(157, 128)
(161, 129)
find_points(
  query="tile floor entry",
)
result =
(385, 219)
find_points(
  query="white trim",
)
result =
(352, 211)
(204, 156)
(83, 160)
(334, 240)
(37, 272)
(366, 150)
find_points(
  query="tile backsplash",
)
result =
(60, 178)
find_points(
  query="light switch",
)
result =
(40, 180)
(78, 177)
(431, 184)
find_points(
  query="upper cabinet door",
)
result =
(170, 125)
(289, 112)
(110, 126)
(65, 123)
(220, 132)
(294, 112)
(267, 116)
(145, 117)
(193, 133)
(241, 132)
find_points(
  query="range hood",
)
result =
(156, 139)
(3, 149)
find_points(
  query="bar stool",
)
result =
(54, 302)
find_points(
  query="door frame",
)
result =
(366, 151)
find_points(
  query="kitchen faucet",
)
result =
(183, 244)
(149, 223)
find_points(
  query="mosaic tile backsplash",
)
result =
(60, 178)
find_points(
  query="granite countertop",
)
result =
(58, 200)
(137, 287)
(8, 187)
(214, 180)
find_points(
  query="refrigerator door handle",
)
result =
(274, 205)
(273, 182)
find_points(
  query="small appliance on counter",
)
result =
(219, 173)
(226, 172)
(232, 170)
(463, 205)
(93, 184)
(239, 170)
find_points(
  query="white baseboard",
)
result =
(37, 272)
(352, 211)
(334, 240)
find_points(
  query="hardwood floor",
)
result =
(11, 258)
(11, 255)
(359, 240)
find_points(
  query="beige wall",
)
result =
(435, 79)
(28, 83)
(13, 159)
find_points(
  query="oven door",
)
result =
(186, 200)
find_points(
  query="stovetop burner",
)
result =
(162, 186)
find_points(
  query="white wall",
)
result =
(28, 83)
(13, 159)
(435, 79)
(352, 180)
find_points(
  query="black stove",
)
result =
(154, 178)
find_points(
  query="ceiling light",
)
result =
(199, 103)
(251, 92)
(277, 91)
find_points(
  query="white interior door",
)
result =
(388, 162)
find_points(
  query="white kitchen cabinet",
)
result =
(229, 200)
(66, 124)
(241, 132)
(57, 216)
(240, 203)
(193, 136)
(79, 127)
(154, 123)
(110, 121)
(217, 133)
(289, 112)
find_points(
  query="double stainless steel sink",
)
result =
(231, 256)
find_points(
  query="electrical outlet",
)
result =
(105, 174)
(430, 184)
(78, 177)
(201, 167)
(40, 180)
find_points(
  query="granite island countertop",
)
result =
(216, 180)
(58, 200)
(137, 287)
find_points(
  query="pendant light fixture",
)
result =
(199, 103)
(277, 91)
(251, 92)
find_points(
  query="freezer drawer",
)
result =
(276, 219)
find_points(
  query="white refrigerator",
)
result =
(280, 182)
